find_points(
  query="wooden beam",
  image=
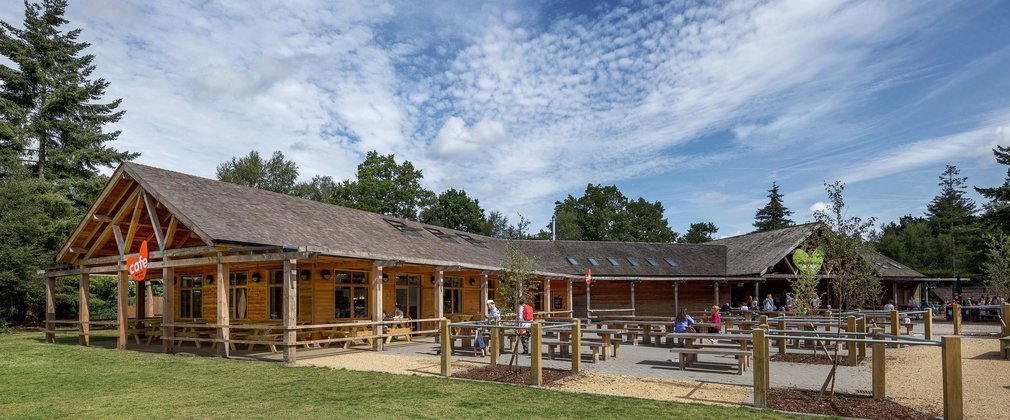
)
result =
(536, 354)
(78, 251)
(483, 295)
(761, 359)
(173, 225)
(290, 309)
(122, 302)
(439, 295)
(120, 242)
(179, 252)
(131, 232)
(152, 213)
(548, 303)
(50, 309)
(168, 309)
(101, 218)
(84, 309)
(953, 393)
(571, 308)
(111, 185)
(376, 279)
(120, 214)
(878, 371)
(445, 350)
(223, 313)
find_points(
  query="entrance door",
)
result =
(408, 294)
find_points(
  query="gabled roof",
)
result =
(687, 260)
(889, 268)
(753, 253)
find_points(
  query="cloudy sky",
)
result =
(698, 105)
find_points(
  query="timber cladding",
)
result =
(652, 297)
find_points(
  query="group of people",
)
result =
(968, 302)
(525, 319)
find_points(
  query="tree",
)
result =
(604, 213)
(454, 209)
(52, 114)
(385, 187)
(913, 241)
(951, 210)
(517, 280)
(773, 215)
(997, 264)
(996, 213)
(646, 223)
(856, 282)
(277, 174)
(699, 232)
(320, 188)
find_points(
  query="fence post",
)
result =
(763, 321)
(495, 345)
(953, 404)
(782, 341)
(957, 319)
(1006, 319)
(879, 370)
(445, 351)
(853, 352)
(760, 362)
(927, 326)
(861, 327)
(536, 361)
(895, 325)
(576, 351)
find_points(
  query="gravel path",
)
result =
(378, 362)
(656, 389)
(915, 378)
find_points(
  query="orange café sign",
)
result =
(137, 265)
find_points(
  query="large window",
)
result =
(238, 295)
(452, 296)
(276, 294)
(351, 295)
(408, 294)
(190, 297)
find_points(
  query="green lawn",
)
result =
(62, 380)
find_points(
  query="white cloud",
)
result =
(456, 140)
(817, 207)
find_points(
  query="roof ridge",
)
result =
(802, 225)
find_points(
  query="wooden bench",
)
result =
(908, 327)
(634, 334)
(394, 332)
(1004, 346)
(741, 356)
(595, 348)
(615, 343)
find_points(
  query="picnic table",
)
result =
(606, 337)
(695, 343)
(644, 325)
(397, 327)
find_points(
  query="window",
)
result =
(896, 265)
(473, 241)
(593, 261)
(350, 295)
(440, 235)
(652, 262)
(402, 227)
(238, 295)
(572, 261)
(452, 296)
(190, 297)
(276, 286)
(671, 262)
(613, 261)
(408, 294)
(492, 286)
(633, 261)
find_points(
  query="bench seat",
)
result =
(741, 356)
(615, 343)
(595, 348)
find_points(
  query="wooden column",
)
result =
(894, 294)
(149, 302)
(141, 307)
(782, 341)
(953, 402)
(851, 346)
(439, 295)
(50, 309)
(548, 301)
(716, 285)
(760, 363)
(879, 371)
(376, 277)
(676, 298)
(957, 319)
(444, 350)
(167, 308)
(223, 314)
(571, 309)
(290, 308)
(895, 325)
(495, 345)
(576, 341)
(633, 297)
(536, 354)
(84, 310)
(1006, 319)
(122, 303)
(757, 294)
(861, 347)
(483, 295)
(927, 321)
(589, 313)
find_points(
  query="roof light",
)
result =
(440, 235)
(671, 262)
(572, 261)
(633, 261)
(613, 261)
(593, 261)
(473, 241)
(652, 262)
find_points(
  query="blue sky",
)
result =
(698, 105)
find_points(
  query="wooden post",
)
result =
(589, 313)
(536, 354)
(377, 329)
(757, 294)
(760, 362)
(676, 298)
(851, 346)
(571, 309)
(879, 371)
(576, 350)
(782, 342)
(149, 300)
(290, 308)
(439, 295)
(495, 345)
(50, 309)
(861, 327)
(84, 310)
(223, 314)
(548, 304)
(141, 308)
(445, 351)
(927, 324)
(953, 403)
(167, 308)
(895, 325)
(122, 303)
(633, 297)
(763, 321)
(957, 319)
(827, 327)
(1006, 319)
(716, 284)
(483, 295)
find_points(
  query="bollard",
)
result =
(495, 345)
(1006, 319)
(853, 353)
(828, 326)
(763, 321)
(576, 342)
(879, 370)
(443, 338)
(957, 319)
(895, 325)
(782, 341)
(536, 354)
(927, 322)
(953, 403)
(760, 364)
(861, 327)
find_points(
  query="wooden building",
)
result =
(234, 259)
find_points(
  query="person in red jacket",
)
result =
(525, 320)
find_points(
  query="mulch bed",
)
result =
(845, 405)
(502, 373)
(808, 358)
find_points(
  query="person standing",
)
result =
(525, 316)
(493, 315)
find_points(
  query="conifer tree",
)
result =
(997, 211)
(773, 215)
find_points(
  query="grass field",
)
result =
(40, 380)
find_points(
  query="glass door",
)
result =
(408, 294)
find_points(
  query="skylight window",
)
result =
(671, 262)
(896, 265)
(402, 227)
(572, 261)
(440, 235)
(633, 261)
(613, 261)
(652, 262)
(473, 241)
(593, 261)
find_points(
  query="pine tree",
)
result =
(773, 215)
(951, 207)
(997, 210)
(52, 115)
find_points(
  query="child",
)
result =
(478, 343)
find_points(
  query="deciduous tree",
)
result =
(276, 174)
(699, 232)
(454, 209)
(386, 187)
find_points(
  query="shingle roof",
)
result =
(688, 260)
(889, 268)
(753, 253)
